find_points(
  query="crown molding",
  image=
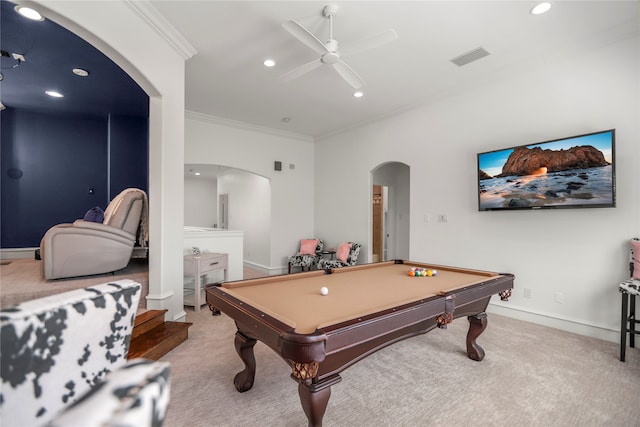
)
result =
(159, 23)
(193, 115)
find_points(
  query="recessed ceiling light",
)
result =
(197, 174)
(54, 94)
(27, 12)
(80, 72)
(540, 8)
(358, 94)
(269, 63)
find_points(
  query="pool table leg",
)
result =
(314, 397)
(477, 325)
(314, 402)
(244, 347)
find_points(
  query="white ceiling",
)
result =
(226, 78)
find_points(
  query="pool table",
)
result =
(367, 307)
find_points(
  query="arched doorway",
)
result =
(166, 127)
(217, 196)
(390, 223)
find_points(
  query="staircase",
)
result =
(152, 337)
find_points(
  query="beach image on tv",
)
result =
(569, 172)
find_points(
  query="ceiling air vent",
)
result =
(472, 55)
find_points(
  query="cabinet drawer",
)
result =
(205, 263)
(212, 264)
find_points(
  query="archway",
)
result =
(248, 206)
(390, 221)
(161, 76)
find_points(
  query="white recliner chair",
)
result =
(85, 248)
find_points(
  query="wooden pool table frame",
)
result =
(316, 359)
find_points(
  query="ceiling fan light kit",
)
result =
(329, 50)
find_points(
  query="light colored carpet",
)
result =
(21, 280)
(531, 376)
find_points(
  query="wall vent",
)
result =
(472, 55)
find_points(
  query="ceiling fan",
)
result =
(329, 50)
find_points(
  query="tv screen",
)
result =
(572, 172)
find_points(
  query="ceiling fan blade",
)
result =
(303, 35)
(369, 43)
(348, 74)
(301, 70)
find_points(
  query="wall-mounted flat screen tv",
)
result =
(572, 172)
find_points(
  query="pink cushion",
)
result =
(308, 246)
(635, 245)
(343, 252)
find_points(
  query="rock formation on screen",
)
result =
(483, 175)
(527, 161)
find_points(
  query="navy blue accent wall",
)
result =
(129, 151)
(49, 163)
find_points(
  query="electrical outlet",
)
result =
(527, 293)
(427, 217)
(558, 297)
(442, 218)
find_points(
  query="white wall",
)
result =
(200, 202)
(250, 211)
(209, 140)
(157, 65)
(579, 253)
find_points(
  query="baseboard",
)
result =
(269, 271)
(556, 322)
(180, 317)
(16, 253)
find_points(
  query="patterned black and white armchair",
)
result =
(629, 290)
(308, 254)
(64, 362)
(346, 255)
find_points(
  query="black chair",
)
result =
(629, 289)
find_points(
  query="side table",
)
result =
(197, 266)
(330, 253)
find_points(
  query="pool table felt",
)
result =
(298, 302)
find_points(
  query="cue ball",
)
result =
(324, 291)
